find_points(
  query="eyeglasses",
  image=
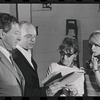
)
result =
(29, 36)
(67, 54)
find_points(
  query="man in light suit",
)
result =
(11, 79)
(23, 58)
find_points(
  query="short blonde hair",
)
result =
(95, 37)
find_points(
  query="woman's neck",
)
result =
(71, 65)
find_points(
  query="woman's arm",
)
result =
(49, 70)
(95, 70)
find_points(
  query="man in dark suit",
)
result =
(11, 79)
(23, 58)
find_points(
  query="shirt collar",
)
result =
(4, 51)
(23, 50)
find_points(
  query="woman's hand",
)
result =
(73, 90)
(53, 89)
(94, 62)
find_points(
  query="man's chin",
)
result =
(13, 47)
(31, 47)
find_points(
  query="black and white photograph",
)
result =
(49, 50)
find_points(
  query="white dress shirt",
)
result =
(5, 52)
(26, 54)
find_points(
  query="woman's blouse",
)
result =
(79, 83)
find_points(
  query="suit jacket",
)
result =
(32, 87)
(11, 82)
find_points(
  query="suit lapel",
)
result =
(22, 82)
(34, 64)
(19, 76)
(24, 59)
(7, 63)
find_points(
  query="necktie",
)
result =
(13, 63)
(16, 68)
(20, 78)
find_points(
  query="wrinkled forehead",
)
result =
(95, 39)
(28, 29)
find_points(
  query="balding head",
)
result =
(26, 28)
(28, 35)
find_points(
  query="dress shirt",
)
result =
(8, 56)
(27, 54)
(5, 52)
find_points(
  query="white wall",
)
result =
(8, 8)
(52, 29)
(24, 12)
(5, 8)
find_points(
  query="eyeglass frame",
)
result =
(67, 54)
(29, 36)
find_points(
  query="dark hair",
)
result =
(6, 21)
(68, 44)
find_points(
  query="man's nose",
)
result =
(33, 39)
(19, 37)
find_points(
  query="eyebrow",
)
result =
(94, 44)
(97, 45)
(29, 34)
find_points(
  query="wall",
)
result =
(24, 12)
(8, 8)
(52, 29)
(5, 8)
